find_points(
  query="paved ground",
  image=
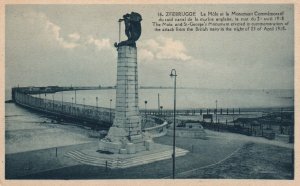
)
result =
(31, 162)
(224, 155)
(252, 161)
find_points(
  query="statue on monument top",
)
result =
(133, 29)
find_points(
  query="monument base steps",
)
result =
(115, 161)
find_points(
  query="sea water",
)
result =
(185, 98)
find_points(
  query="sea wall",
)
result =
(80, 112)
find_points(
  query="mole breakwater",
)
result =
(99, 116)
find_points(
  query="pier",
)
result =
(97, 115)
(24, 96)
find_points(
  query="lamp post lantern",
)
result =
(173, 74)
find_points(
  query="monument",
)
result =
(125, 136)
(125, 144)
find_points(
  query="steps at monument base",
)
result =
(149, 158)
(86, 159)
(123, 162)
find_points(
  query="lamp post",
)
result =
(62, 101)
(110, 110)
(145, 111)
(75, 97)
(53, 101)
(72, 105)
(161, 108)
(83, 101)
(40, 99)
(216, 111)
(145, 105)
(158, 101)
(173, 74)
(45, 95)
(97, 102)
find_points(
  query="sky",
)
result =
(68, 45)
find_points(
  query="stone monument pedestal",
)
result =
(125, 135)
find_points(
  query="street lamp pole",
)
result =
(72, 106)
(173, 74)
(83, 100)
(110, 110)
(97, 102)
(40, 99)
(75, 97)
(62, 101)
(216, 111)
(145, 111)
(45, 100)
(145, 105)
(158, 102)
(53, 101)
(161, 108)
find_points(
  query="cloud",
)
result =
(164, 48)
(145, 55)
(99, 43)
(55, 31)
(46, 31)
(39, 20)
(74, 36)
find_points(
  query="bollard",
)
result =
(106, 165)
